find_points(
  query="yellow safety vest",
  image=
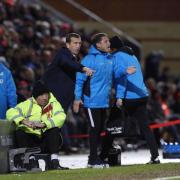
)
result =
(52, 115)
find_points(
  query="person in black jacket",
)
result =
(60, 75)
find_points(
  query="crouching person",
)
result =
(38, 120)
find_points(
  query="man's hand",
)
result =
(76, 105)
(88, 71)
(131, 69)
(28, 123)
(39, 125)
(33, 124)
(119, 103)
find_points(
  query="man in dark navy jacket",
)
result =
(60, 76)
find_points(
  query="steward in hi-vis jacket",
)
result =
(37, 121)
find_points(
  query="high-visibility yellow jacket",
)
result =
(52, 115)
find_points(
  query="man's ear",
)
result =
(67, 45)
(97, 45)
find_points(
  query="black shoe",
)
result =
(154, 161)
(55, 165)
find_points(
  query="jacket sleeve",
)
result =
(58, 117)
(81, 78)
(67, 62)
(16, 114)
(120, 75)
(121, 87)
(119, 68)
(11, 90)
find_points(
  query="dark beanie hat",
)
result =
(39, 89)
(116, 42)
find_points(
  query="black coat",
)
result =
(60, 77)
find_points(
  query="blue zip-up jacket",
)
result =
(129, 86)
(95, 90)
(8, 97)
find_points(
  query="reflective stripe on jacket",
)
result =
(52, 115)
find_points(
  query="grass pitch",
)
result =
(116, 173)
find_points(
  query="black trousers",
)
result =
(50, 141)
(137, 109)
(97, 117)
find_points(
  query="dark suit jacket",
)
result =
(60, 77)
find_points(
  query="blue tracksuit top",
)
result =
(8, 97)
(129, 86)
(95, 91)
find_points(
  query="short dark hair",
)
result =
(116, 42)
(39, 89)
(71, 35)
(98, 37)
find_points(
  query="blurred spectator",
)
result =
(46, 58)
(152, 64)
(25, 73)
(165, 74)
(154, 109)
(176, 105)
(3, 61)
(23, 91)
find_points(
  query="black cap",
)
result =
(116, 42)
(39, 89)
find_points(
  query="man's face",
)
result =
(43, 99)
(74, 45)
(104, 44)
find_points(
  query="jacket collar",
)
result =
(95, 51)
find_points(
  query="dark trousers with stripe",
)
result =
(50, 141)
(97, 117)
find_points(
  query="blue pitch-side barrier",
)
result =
(171, 150)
